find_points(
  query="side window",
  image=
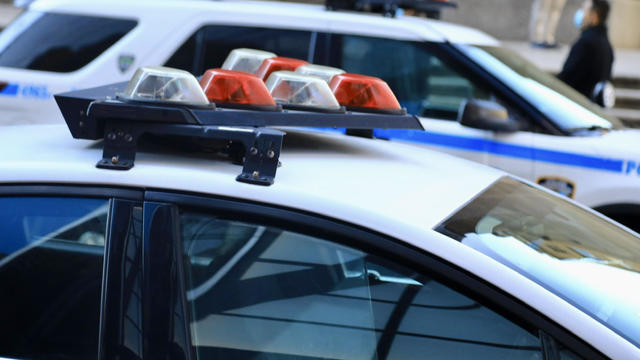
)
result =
(51, 255)
(423, 81)
(59, 42)
(210, 45)
(257, 291)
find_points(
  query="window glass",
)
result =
(214, 42)
(566, 107)
(422, 82)
(573, 252)
(262, 292)
(51, 255)
(58, 42)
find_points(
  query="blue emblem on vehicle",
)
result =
(125, 62)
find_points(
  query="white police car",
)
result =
(161, 240)
(539, 128)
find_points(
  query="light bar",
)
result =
(361, 91)
(291, 88)
(326, 73)
(247, 60)
(278, 64)
(235, 87)
(164, 85)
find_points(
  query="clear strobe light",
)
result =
(288, 87)
(247, 60)
(166, 85)
(326, 73)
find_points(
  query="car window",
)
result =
(424, 82)
(566, 107)
(209, 46)
(258, 291)
(59, 42)
(51, 255)
(544, 237)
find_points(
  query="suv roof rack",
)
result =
(97, 113)
(431, 8)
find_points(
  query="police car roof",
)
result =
(395, 189)
(374, 183)
(285, 15)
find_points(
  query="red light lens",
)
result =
(235, 87)
(363, 91)
(278, 63)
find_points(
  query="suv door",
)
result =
(430, 83)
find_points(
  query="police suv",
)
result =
(177, 219)
(476, 99)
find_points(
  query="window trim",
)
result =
(30, 189)
(111, 315)
(383, 246)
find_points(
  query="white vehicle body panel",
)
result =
(402, 191)
(602, 168)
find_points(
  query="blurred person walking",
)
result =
(591, 57)
(545, 15)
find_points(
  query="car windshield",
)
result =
(574, 253)
(566, 107)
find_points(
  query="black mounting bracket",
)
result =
(261, 145)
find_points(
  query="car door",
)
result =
(432, 85)
(242, 280)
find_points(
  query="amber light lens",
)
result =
(235, 87)
(278, 63)
(363, 91)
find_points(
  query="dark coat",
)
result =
(589, 61)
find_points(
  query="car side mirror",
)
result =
(486, 115)
(604, 94)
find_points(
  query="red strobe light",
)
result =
(278, 63)
(235, 87)
(363, 91)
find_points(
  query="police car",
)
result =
(512, 115)
(178, 219)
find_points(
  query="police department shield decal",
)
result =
(125, 62)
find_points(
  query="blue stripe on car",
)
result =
(10, 90)
(498, 148)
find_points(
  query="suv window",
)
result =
(208, 47)
(258, 291)
(51, 257)
(59, 42)
(424, 81)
